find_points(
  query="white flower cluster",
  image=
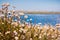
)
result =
(28, 32)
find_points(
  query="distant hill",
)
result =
(35, 12)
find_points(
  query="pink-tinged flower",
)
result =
(31, 39)
(2, 15)
(24, 31)
(15, 32)
(9, 22)
(53, 36)
(13, 10)
(59, 35)
(22, 25)
(57, 25)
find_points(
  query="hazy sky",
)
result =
(42, 5)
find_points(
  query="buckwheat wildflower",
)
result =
(0, 33)
(2, 23)
(40, 36)
(35, 35)
(53, 36)
(23, 37)
(7, 32)
(16, 38)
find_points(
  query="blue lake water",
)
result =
(43, 18)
